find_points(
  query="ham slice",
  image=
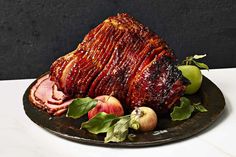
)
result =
(56, 94)
(46, 96)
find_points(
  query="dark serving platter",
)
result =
(167, 131)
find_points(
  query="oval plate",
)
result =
(167, 131)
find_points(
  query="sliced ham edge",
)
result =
(46, 96)
(32, 97)
(56, 94)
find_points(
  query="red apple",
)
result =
(146, 117)
(107, 104)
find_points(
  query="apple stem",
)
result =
(139, 113)
(109, 96)
(188, 60)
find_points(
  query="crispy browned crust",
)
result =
(123, 57)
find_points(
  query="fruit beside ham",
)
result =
(123, 57)
(46, 96)
(119, 56)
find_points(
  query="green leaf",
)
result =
(183, 111)
(199, 107)
(80, 107)
(100, 123)
(199, 56)
(134, 123)
(135, 118)
(119, 131)
(201, 65)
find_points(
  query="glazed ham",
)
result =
(120, 57)
(44, 95)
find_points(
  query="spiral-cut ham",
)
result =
(124, 58)
(44, 95)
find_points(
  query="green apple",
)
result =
(194, 75)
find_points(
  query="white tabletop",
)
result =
(19, 136)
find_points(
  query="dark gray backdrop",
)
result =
(34, 33)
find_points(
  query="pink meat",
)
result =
(56, 94)
(32, 97)
(46, 96)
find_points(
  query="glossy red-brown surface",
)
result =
(124, 58)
